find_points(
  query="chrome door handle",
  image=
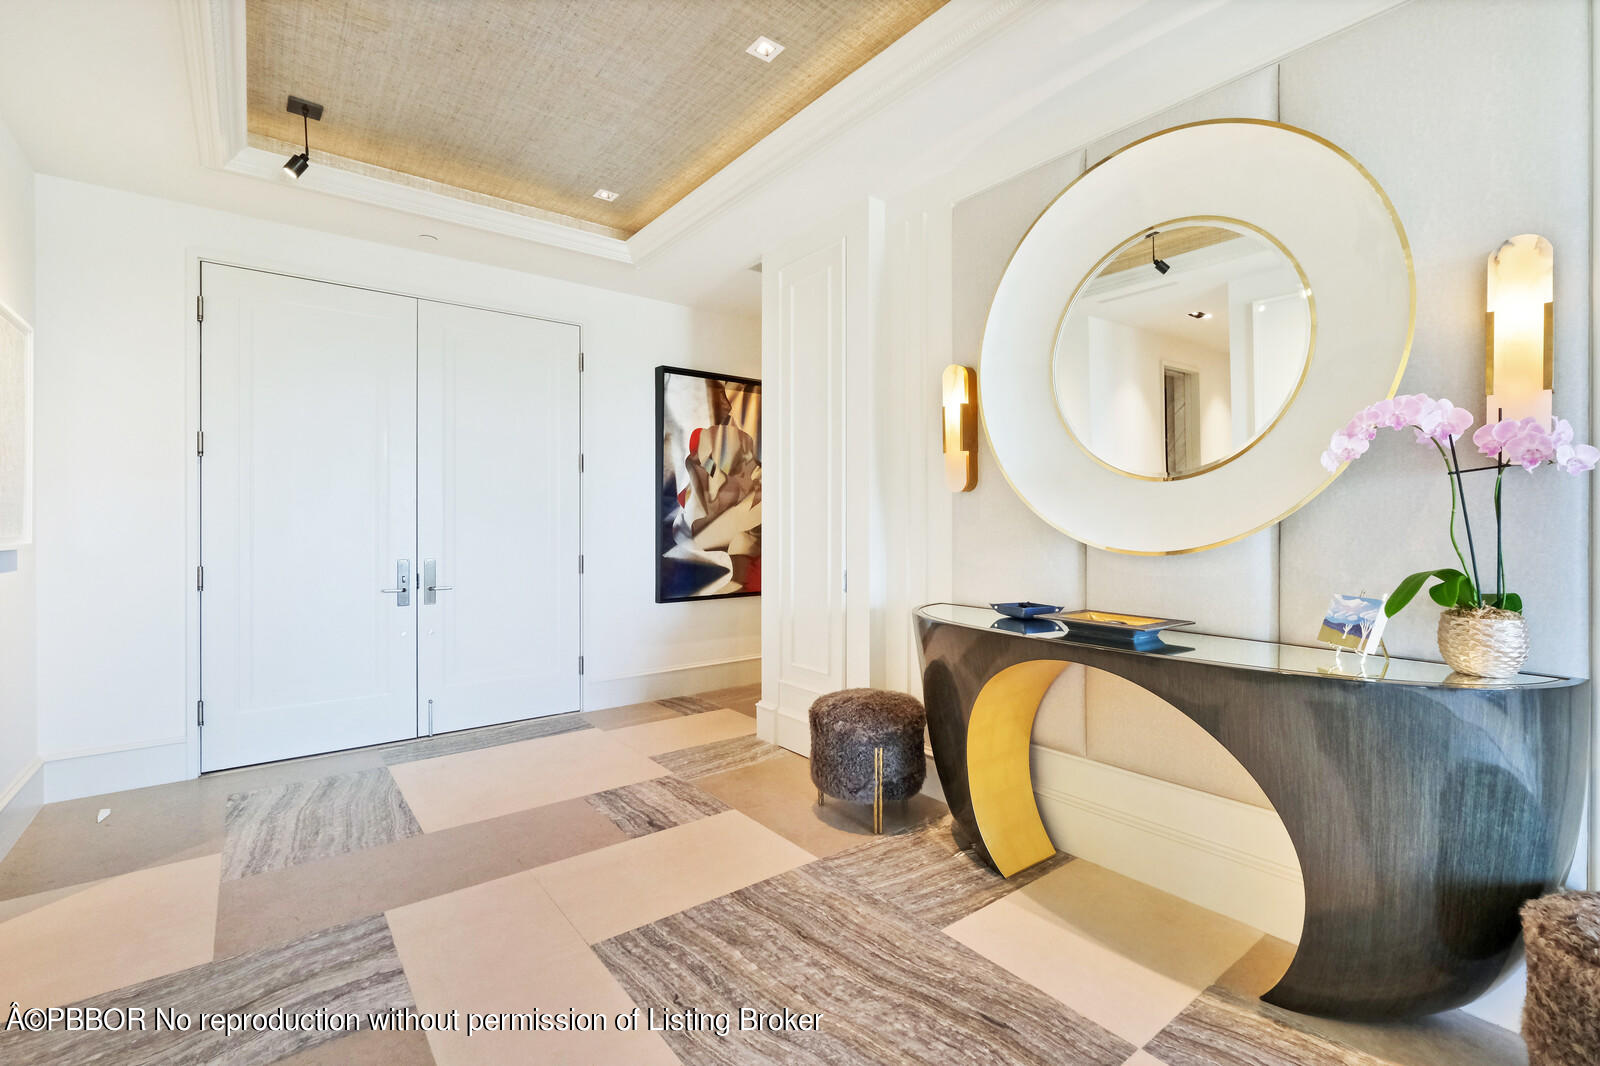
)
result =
(402, 578)
(430, 577)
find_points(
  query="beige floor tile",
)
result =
(685, 731)
(742, 698)
(271, 908)
(627, 885)
(779, 793)
(65, 845)
(1258, 969)
(125, 929)
(504, 946)
(1143, 1058)
(630, 714)
(1117, 951)
(476, 785)
(367, 1048)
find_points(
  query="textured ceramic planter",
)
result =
(1486, 642)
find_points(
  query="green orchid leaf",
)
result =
(1454, 589)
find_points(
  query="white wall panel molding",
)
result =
(1227, 856)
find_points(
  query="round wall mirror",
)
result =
(1182, 347)
(1182, 329)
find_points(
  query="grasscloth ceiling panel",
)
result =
(541, 102)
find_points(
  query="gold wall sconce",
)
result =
(960, 427)
(1519, 364)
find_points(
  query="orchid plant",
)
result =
(1521, 442)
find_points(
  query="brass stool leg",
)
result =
(819, 797)
(877, 794)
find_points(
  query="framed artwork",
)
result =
(16, 431)
(708, 509)
(1354, 622)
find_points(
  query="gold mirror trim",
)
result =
(999, 778)
(1122, 246)
(1394, 386)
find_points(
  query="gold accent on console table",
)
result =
(997, 765)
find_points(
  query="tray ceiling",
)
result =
(542, 102)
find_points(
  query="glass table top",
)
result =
(1243, 654)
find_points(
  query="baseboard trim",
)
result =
(1230, 857)
(19, 802)
(96, 771)
(685, 679)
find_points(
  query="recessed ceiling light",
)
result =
(1199, 314)
(765, 49)
(605, 194)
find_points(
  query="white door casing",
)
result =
(498, 466)
(308, 504)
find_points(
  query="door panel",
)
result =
(308, 502)
(498, 443)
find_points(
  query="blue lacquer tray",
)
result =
(1024, 609)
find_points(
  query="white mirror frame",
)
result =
(1308, 194)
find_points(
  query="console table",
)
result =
(1424, 806)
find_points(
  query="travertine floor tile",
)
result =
(742, 698)
(123, 930)
(1259, 968)
(628, 714)
(651, 806)
(685, 731)
(924, 873)
(505, 946)
(1143, 1058)
(350, 969)
(303, 821)
(607, 892)
(778, 793)
(483, 737)
(1221, 1029)
(1124, 954)
(275, 907)
(476, 785)
(889, 988)
(719, 756)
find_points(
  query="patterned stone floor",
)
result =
(656, 857)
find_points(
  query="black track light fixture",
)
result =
(1161, 265)
(309, 112)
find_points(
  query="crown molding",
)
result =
(214, 55)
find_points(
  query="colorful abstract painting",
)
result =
(708, 517)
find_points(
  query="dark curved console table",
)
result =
(1424, 806)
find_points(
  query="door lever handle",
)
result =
(441, 588)
(430, 575)
(402, 577)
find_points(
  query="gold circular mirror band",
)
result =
(1305, 367)
(1405, 353)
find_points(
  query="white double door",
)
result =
(389, 517)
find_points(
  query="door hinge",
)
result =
(199, 309)
(846, 582)
(580, 664)
(199, 712)
(580, 564)
(199, 579)
(580, 462)
(199, 442)
(580, 362)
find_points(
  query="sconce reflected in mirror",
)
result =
(1519, 364)
(960, 428)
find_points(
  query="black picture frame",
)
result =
(667, 506)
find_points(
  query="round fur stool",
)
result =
(1561, 1015)
(866, 747)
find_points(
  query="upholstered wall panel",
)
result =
(1252, 96)
(1131, 728)
(1382, 90)
(1061, 721)
(1002, 550)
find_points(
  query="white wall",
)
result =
(19, 747)
(116, 414)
